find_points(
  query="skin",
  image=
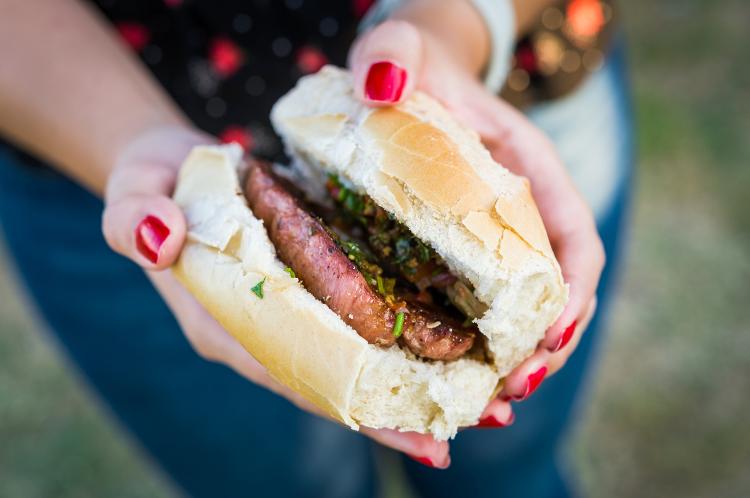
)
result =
(128, 149)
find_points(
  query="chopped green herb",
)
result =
(389, 247)
(398, 326)
(389, 284)
(290, 272)
(334, 179)
(381, 289)
(424, 252)
(354, 203)
(258, 288)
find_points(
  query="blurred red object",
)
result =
(136, 35)
(361, 7)
(585, 17)
(238, 135)
(225, 56)
(310, 59)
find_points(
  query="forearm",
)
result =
(70, 92)
(455, 24)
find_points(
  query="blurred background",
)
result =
(668, 410)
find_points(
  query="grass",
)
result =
(54, 441)
(668, 410)
(667, 416)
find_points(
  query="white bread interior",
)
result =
(301, 342)
(436, 177)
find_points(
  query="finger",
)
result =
(207, 337)
(386, 63)
(140, 219)
(526, 378)
(238, 359)
(498, 413)
(581, 257)
(558, 359)
(147, 227)
(212, 342)
(420, 447)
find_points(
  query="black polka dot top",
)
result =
(225, 62)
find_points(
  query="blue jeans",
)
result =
(218, 435)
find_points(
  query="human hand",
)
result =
(142, 223)
(400, 56)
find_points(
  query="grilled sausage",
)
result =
(303, 243)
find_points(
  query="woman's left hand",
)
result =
(398, 57)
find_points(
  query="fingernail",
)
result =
(532, 382)
(491, 421)
(150, 234)
(385, 82)
(429, 463)
(565, 336)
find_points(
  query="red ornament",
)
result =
(310, 59)
(134, 34)
(361, 7)
(225, 56)
(238, 135)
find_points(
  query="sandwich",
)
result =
(392, 274)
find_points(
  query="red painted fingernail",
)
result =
(150, 234)
(491, 421)
(429, 463)
(423, 460)
(385, 82)
(566, 336)
(532, 383)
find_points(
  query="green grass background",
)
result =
(668, 412)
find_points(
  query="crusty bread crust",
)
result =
(435, 177)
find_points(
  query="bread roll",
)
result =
(417, 162)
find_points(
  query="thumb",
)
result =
(386, 62)
(140, 220)
(147, 228)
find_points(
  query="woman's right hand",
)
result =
(142, 223)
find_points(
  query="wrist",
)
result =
(455, 27)
(499, 19)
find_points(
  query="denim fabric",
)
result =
(218, 435)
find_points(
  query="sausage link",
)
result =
(303, 243)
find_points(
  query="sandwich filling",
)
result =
(398, 252)
(368, 268)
